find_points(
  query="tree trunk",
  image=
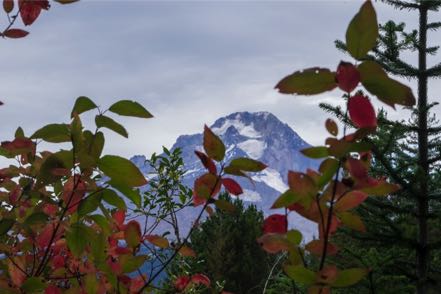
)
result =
(422, 249)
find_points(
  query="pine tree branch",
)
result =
(394, 174)
(434, 26)
(434, 71)
(401, 4)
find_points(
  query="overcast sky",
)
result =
(187, 62)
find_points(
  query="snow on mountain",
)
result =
(261, 136)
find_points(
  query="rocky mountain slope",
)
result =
(260, 136)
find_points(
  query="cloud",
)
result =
(188, 62)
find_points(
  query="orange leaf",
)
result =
(316, 248)
(156, 240)
(350, 200)
(187, 251)
(274, 243)
(16, 268)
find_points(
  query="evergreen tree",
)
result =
(402, 241)
(227, 250)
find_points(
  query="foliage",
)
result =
(330, 195)
(402, 240)
(64, 225)
(28, 10)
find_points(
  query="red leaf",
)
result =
(15, 33)
(119, 216)
(44, 237)
(58, 262)
(362, 112)
(200, 279)
(16, 267)
(137, 283)
(275, 223)
(232, 186)
(347, 76)
(52, 290)
(205, 187)
(357, 169)
(207, 162)
(181, 283)
(30, 10)
(19, 146)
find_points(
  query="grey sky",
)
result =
(188, 62)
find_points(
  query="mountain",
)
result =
(261, 136)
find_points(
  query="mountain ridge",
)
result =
(257, 135)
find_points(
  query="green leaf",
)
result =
(352, 221)
(310, 81)
(132, 234)
(19, 133)
(33, 284)
(98, 248)
(121, 171)
(328, 168)
(91, 283)
(286, 199)
(36, 218)
(362, 32)
(53, 133)
(89, 204)
(102, 222)
(247, 164)
(5, 225)
(131, 263)
(92, 149)
(130, 193)
(103, 121)
(349, 277)
(82, 104)
(46, 175)
(388, 90)
(213, 145)
(112, 198)
(300, 274)
(315, 152)
(294, 237)
(77, 238)
(130, 108)
(225, 206)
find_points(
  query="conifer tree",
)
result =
(402, 243)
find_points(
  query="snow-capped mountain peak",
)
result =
(257, 135)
